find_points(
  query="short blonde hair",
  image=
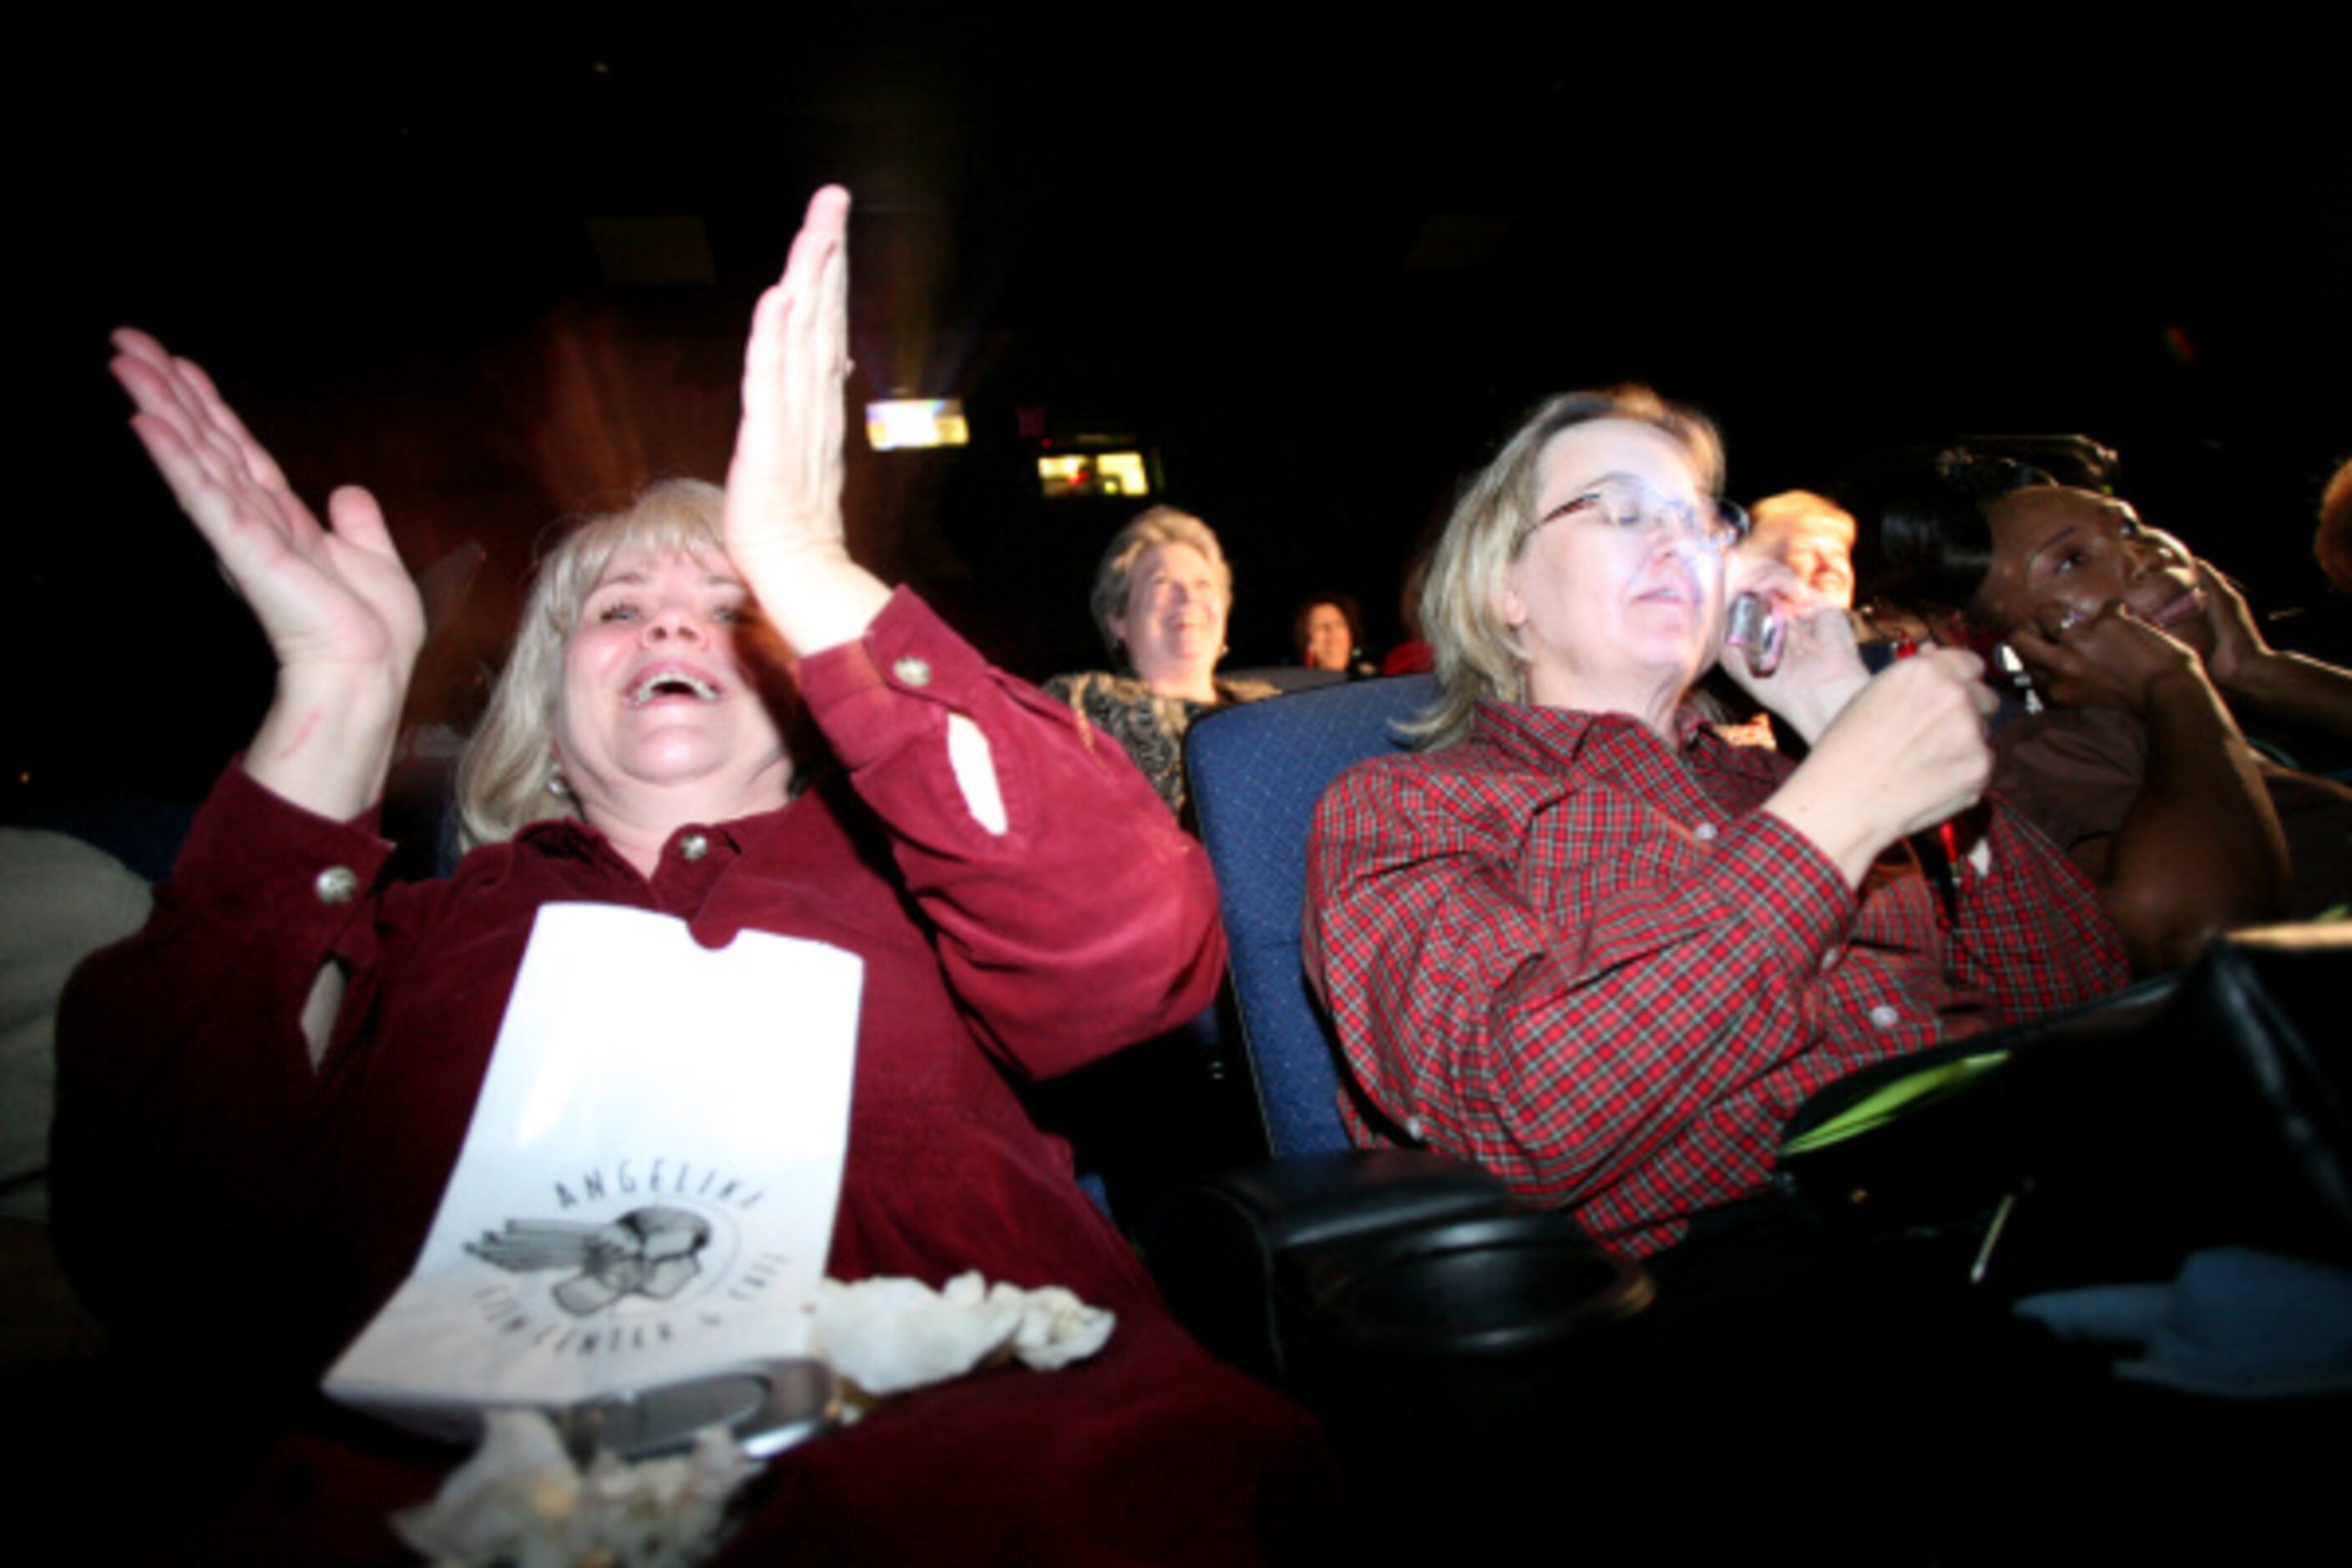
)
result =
(504, 776)
(1116, 574)
(1791, 507)
(1476, 657)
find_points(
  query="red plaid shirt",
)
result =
(1584, 958)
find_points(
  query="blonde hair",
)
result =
(1116, 574)
(1791, 507)
(503, 779)
(1476, 657)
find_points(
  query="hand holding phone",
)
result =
(1758, 630)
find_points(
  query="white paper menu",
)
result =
(647, 1191)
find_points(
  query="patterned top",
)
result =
(1586, 960)
(1150, 726)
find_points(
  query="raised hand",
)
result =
(1820, 668)
(322, 594)
(784, 516)
(340, 612)
(2239, 646)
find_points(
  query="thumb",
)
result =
(357, 519)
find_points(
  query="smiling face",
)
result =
(1174, 626)
(1329, 640)
(2060, 556)
(665, 709)
(1813, 538)
(1610, 619)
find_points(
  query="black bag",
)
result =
(2196, 1110)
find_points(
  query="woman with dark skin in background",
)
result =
(2143, 653)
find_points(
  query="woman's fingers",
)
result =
(814, 271)
(222, 420)
(2112, 660)
(783, 488)
(341, 598)
(785, 484)
(1909, 752)
(221, 475)
(2237, 641)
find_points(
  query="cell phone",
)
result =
(2008, 675)
(1756, 629)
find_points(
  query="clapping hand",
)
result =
(341, 613)
(784, 515)
(335, 595)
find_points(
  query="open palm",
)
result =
(326, 597)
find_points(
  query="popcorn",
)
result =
(521, 1500)
(1057, 1328)
(889, 1335)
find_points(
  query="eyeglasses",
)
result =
(1717, 522)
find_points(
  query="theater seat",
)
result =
(1332, 1269)
(1256, 772)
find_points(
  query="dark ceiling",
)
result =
(1317, 268)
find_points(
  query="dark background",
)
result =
(1318, 269)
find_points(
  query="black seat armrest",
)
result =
(1217, 1246)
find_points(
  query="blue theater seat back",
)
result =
(1256, 771)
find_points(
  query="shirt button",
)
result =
(1703, 833)
(694, 845)
(337, 885)
(1413, 1128)
(1884, 1016)
(912, 670)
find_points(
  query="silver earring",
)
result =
(555, 784)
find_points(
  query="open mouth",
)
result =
(2187, 608)
(672, 683)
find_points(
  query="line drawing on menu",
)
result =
(652, 1252)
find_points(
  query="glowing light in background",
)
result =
(1092, 473)
(905, 424)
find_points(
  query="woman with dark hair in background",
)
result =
(2143, 655)
(1328, 632)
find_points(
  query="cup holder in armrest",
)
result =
(1494, 1319)
(1496, 1285)
(1382, 1267)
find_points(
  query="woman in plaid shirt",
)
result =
(1578, 939)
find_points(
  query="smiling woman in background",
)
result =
(2144, 655)
(1160, 599)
